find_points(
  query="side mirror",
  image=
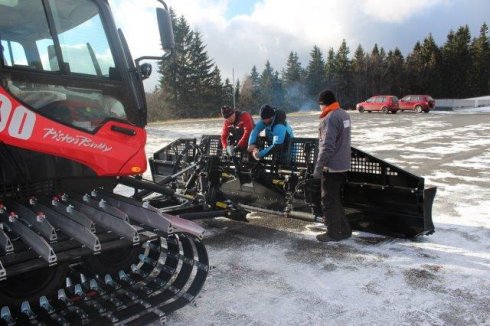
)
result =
(166, 30)
(166, 37)
(145, 70)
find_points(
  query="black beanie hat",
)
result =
(267, 112)
(326, 97)
(226, 111)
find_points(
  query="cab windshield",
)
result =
(56, 59)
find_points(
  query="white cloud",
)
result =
(270, 32)
(397, 11)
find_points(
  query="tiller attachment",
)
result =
(378, 197)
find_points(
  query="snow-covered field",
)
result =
(272, 271)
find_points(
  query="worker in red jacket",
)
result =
(236, 129)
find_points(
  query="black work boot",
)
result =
(324, 237)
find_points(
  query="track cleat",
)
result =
(147, 260)
(68, 283)
(7, 316)
(123, 276)
(63, 298)
(25, 308)
(110, 281)
(94, 286)
(138, 271)
(79, 291)
(44, 303)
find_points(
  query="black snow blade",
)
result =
(385, 199)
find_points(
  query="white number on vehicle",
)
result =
(22, 123)
(5, 109)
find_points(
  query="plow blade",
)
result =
(378, 197)
(382, 198)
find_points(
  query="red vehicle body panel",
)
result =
(378, 103)
(411, 102)
(106, 152)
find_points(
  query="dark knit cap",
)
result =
(267, 112)
(226, 111)
(326, 97)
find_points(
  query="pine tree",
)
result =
(359, 69)
(169, 72)
(228, 93)
(457, 63)
(216, 96)
(256, 90)
(293, 82)
(190, 84)
(480, 57)
(431, 61)
(423, 67)
(381, 73)
(331, 70)
(203, 80)
(315, 76)
(237, 92)
(394, 73)
(375, 71)
(174, 81)
(278, 92)
(343, 71)
(293, 72)
(412, 66)
(267, 85)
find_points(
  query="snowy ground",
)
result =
(272, 271)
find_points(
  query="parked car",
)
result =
(383, 103)
(417, 103)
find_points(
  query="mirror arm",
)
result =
(163, 3)
(165, 56)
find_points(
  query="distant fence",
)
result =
(449, 104)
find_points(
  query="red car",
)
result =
(383, 103)
(417, 103)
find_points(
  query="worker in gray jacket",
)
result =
(333, 162)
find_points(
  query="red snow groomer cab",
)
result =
(72, 118)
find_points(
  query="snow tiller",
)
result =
(197, 181)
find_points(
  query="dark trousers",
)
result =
(333, 211)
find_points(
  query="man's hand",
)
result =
(230, 150)
(317, 174)
(251, 148)
(256, 154)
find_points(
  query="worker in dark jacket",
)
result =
(333, 162)
(277, 131)
(236, 129)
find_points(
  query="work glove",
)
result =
(230, 150)
(256, 154)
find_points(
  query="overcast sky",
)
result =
(243, 33)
